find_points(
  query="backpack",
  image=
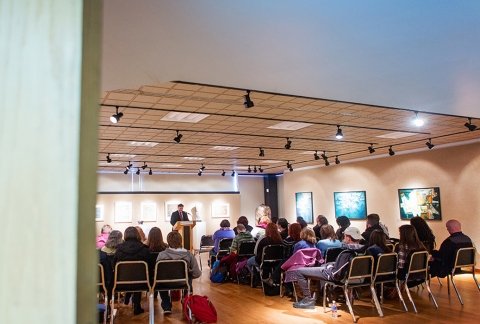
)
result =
(219, 273)
(199, 309)
(341, 265)
(242, 272)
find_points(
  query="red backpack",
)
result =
(199, 309)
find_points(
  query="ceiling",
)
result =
(373, 64)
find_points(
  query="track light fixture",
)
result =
(109, 160)
(429, 144)
(337, 161)
(324, 155)
(126, 171)
(326, 162)
(150, 172)
(260, 169)
(371, 149)
(138, 171)
(115, 118)
(262, 152)
(471, 127)
(255, 168)
(129, 166)
(315, 155)
(223, 173)
(289, 166)
(248, 103)
(419, 122)
(289, 144)
(233, 173)
(178, 138)
(199, 173)
(202, 168)
(249, 169)
(144, 166)
(391, 152)
(339, 134)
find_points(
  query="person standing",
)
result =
(178, 215)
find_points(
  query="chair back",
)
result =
(206, 241)
(361, 267)
(131, 276)
(171, 275)
(332, 253)
(465, 258)
(418, 266)
(386, 269)
(101, 278)
(391, 246)
(273, 253)
(225, 244)
(246, 249)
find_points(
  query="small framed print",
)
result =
(352, 204)
(123, 212)
(148, 211)
(220, 210)
(170, 207)
(99, 213)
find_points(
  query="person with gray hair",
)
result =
(114, 239)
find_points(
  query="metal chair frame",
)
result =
(206, 244)
(223, 250)
(245, 250)
(101, 284)
(271, 254)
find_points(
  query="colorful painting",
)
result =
(423, 202)
(352, 204)
(304, 206)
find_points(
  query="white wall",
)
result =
(251, 196)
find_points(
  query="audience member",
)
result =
(114, 239)
(343, 222)
(409, 243)
(132, 249)
(321, 220)
(174, 251)
(293, 237)
(282, 225)
(155, 241)
(330, 239)
(302, 222)
(224, 232)
(377, 244)
(326, 271)
(141, 233)
(373, 223)
(103, 236)
(242, 236)
(443, 260)
(307, 240)
(243, 220)
(259, 230)
(424, 232)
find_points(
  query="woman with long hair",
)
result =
(321, 220)
(155, 241)
(293, 237)
(329, 239)
(409, 243)
(424, 232)
(308, 240)
(114, 239)
(272, 236)
(343, 222)
(377, 243)
(141, 234)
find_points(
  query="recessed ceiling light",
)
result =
(289, 125)
(171, 165)
(417, 121)
(194, 158)
(308, 152)
(224, 148)
(120, 155)
(184, 117)
(396, 135)
(105, 163)
(147, 144)
(271, 161)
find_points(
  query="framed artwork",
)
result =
(170, 207)
(123, 212)
(352, 204)
(423, 202)
(304, 206)
(148, 211)
(99, 213)
(220, 210)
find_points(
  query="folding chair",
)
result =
(223, 250)
(206, 244)
(131, 276)
(246, 249)
(386, 272)
(418, 271)
(360, 274)
(331, 254)
(271, 255)
(465, 258)
(103, 289)
(169, 275)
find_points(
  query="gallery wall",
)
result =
(456, 170)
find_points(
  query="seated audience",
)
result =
(443, 260)
(424, 232)
(242, 236)
(175, 251)
(409, 243)
(343, 222)
(293, 237)
(377, 244)
(321, 220)
(107, 258)
(141, 233)
(307, 240)
(302, 222)
(351, 242)
(224, 232)
(132, 249)
(114, 239)
(155, 245)
(259, 230)
(373, 223)
(282, 225)
(271, 237)
(103, 236)
(329, 241)
(243, 220)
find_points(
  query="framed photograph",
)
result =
(99, 213)
(423, 202)
(170, 207)
(304, 206)
(220, 210)
(123, 212)
(148, 211)
(352, 204)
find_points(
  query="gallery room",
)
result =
(116, 112)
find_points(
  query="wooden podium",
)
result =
(185, 228)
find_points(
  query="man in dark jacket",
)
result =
(373, 223)
(443, 260)
(178, 215)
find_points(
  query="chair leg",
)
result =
(112, 308)
(439, 282)
(474, 278)
(410, 297)
(350, 308)
(375, 300)
(106, 309)
(325, 296)
(401, 296)
(431, 295)
(381, 293)
(200, 260)
(456, 290)
(448, 284)
(295, 291)
(151, 308)
(281, 285)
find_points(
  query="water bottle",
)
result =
(334, 309)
